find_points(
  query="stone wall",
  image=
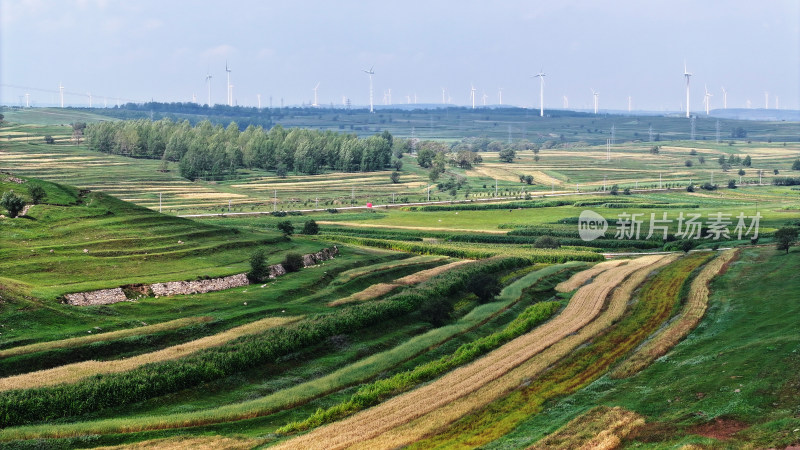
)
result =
(107, 296)
(199, 286)
(101, 297)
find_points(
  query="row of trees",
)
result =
(213, 152)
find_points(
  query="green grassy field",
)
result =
(732, 382)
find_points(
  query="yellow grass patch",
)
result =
(689, 317)
(209, 195)
(82, 340)
(580, 278)
(425, 275)
(600, 427)
(493, 171)
(71, 373)
(415, 414)
(194, 442)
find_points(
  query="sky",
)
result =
(142, 50)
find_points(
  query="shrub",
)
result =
(12, 202)
(292, 262)
(688, 163)
(310, 227)
(614, 190)
(708, 186)
(731, 184)
(258, 266)
(279, 213)
(690, 188)
(49, 139)
(484, 286)
(286, 227)
(332, 210)
(796, 164)
(436, 310)
(395, 177)
(627, 191)
(546, 242)
(37, 193)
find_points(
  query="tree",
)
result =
(37, 193)
(731, 184)
(49, 139)
(397, 164)
(528, 179)
(546, 242)
(690, 188)
(747, 162)
(507, 155)
(701, 159)
(785, 237)
(739, 133)
(436, 310)
(310, 227)
(258, 266)
(693, 152)
(292, 262)
(796, 165)
(12, 202)
(775, 171)
(286, 227)
(687, 245)
(627, 191)
(484, 286)
(395, 177)
(655, 149)
(688, 163)
(741, 172)
(614, 190)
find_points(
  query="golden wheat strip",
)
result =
(71, 373)
(439, 419)
(584, 306)
(600, 427)
(580, 278)
(82, 340)
(425, 275)
(690, 316)
(180, 443)
(374, 291)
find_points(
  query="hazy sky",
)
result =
(162, 50)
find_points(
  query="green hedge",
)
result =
(490, 206)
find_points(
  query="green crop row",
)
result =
(490, 206)
(532, 255)
(103, 391)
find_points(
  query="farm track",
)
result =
(585, 306)
(71, 373)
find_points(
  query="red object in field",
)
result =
(369, 205)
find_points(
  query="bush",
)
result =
(436, 310)
(614, 190)
(546, 242)
(796, 165)
(395, 177)
(37, 193)
(484, 286)
(688, 163)
(690, 188)
(627, 191)
(279, 213)
(12, 202)
(286, 227)
(332, 210)
(709, 187)
(731, 184)
(292, 262)
(310, 227)
(258, 266)
(49, 139)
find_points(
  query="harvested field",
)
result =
(585, 305)
(377, 290)
(580, 278)
(399, 227)
(601, 427)
(82, 340)
(200, 442)
(71, 373)
(693, 310)
(351, 274)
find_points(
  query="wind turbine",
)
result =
(541, 76)
(444, 100)
(370, 72)
(707, 99)
(315, 95)
(766, 100)
(566, 102)
(61, 92)
(208, 83)
(90, 98)
(629, 103)
(500, 95)
(687, 75)
(230, 88)
(724, 98)
(595, 94)
(472, 95)
(484, 98)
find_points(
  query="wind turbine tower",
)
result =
(566, 102)
(444, 100)
(687, 75)
(629, 103)
(500, 96)
(230, 88)
(472, 95)
(766, 100)
(208, 83)
(541, 76)
(370, 72)
(315, 95)
(90, 98)
(61, 93)
(724, 98)
(595, 94)
(707, 99)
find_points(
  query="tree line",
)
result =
(210, 152)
